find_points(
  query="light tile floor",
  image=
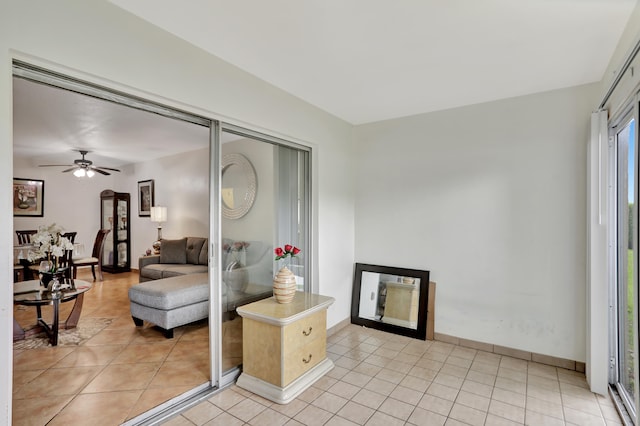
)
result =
(387, 380)
(117, 374)
(379, 379)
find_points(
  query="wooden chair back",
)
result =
(24, 236)
(71, 236)
(65, 261)
(96, 256)
(98, 243)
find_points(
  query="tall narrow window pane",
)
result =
(264, 206)
(627, 277)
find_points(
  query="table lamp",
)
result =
(159, 215)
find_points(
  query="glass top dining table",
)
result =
(32, 293)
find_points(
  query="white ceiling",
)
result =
(371, 60)
(50, 124)
(360, 60)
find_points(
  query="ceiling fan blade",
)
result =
(95, 169)
(84, 164)
(106, 168)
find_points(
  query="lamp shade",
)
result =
(158, 214)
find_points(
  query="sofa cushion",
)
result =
(152, 272)
(175, 270)
(163, 270)
(171, 293)
(173, 251)
(194, 247)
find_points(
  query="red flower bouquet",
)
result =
(287, 251)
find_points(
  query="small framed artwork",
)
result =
(28, 197)
(145, 197)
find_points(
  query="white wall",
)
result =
(491, 199)
(69, 202)
(181, 184)
(97, 41)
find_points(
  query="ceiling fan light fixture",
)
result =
(82, 167)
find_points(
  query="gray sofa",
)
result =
(188, 255)
(174, 286)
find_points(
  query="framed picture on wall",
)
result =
(145, 197)
(28, 197)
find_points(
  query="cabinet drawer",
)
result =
(299, 361)
(304, 331)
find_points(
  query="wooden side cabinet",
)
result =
(284, 346)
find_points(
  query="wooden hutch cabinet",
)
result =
(114, 215)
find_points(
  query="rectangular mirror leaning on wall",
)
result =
(396, 300)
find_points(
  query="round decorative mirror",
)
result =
(239, 186)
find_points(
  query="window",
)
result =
(624, 348)
(274, 175)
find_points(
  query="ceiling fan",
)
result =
(82, 167)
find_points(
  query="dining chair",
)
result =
(65, 262)
(24, 236)
(96, 256)
(71, 236)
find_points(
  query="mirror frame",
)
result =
(421, 331)
(249, 195)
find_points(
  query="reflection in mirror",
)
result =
(391, 299)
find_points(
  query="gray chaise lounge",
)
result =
(171, 302)
(174, 286)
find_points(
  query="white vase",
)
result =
(284, 285)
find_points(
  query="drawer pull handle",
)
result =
(307, 361)
(306, 333)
